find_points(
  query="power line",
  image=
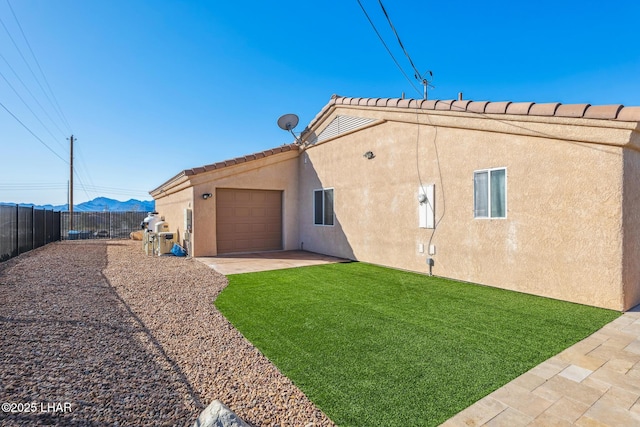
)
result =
(31, 132)
(29, 108)
(119, 191)
(29, 67)
(387, 47)
(32, 95)
(38, 186)
(417, 75)
(91, 188)
(33, 186)
(57, 105)
(423, 80)
(84, 164)
(75, 172)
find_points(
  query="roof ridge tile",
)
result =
(497, 107)
(548, 109)
(444, 104)
(429, 104)
(477, 106)
(393, 102)
(571, 110)
(545, 109)
(629, 114)
(603, 111)
(460, 105)
(520, 108)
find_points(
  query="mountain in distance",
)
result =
(104, 204)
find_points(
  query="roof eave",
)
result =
(185, 175)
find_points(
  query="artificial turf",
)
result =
(373, 346)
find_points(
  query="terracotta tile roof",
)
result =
(496, 107)
(630, 114)
(521, 108)
(225, 163)
(548, 109)
(238, 160)
(554, 109)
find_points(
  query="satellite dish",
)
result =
(288, 122)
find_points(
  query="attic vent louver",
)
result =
(340, 125)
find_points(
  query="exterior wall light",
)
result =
(368, 155)
(206, 195)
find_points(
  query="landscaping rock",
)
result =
(131, 340)
(218, 415)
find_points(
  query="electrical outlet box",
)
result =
(421, 248)
(432, 249)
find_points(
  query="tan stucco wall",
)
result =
(562, 237)
(274, 172)
(631, 246)
(172, 209)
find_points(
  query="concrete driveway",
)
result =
(263, 261)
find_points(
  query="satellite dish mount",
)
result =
(288, 122)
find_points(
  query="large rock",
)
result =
(218, 415)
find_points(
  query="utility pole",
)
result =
(71, 184)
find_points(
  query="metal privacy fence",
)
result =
(24, 228)
(100, 225)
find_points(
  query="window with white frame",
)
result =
(323, 206)
(490, 193)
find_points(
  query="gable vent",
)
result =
(340, 125)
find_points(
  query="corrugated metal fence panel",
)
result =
(123, 223)
(340, 125)
(8, 232)
(100, 225)
(53, 226)
(25, 228)
(39, 229)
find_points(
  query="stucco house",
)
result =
(537, 198)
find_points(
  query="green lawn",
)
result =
(373, 346)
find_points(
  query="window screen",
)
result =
(323, 207)
(490, 193)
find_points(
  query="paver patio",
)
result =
(263, 261)
(596, 382)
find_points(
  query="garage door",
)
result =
(248, 220)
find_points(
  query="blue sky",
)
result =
(150, 88)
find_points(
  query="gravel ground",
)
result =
(95, 333)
